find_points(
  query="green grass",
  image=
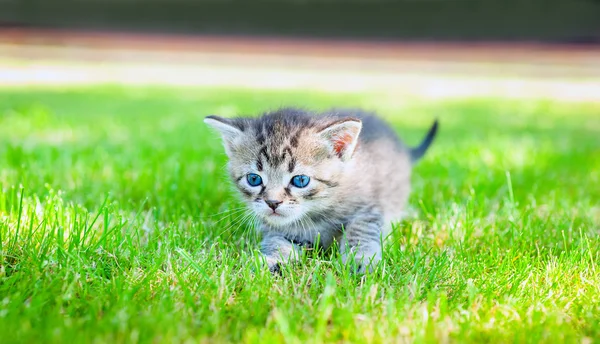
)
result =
(108, 230)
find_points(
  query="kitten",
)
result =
(339, 176)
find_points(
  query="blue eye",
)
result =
(300, 181)
(253, 179)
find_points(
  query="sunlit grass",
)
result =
(114, 225)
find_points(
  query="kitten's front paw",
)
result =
(361, 261)
(273, 264)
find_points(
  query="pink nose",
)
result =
(273, 204)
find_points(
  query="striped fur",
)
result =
(360, 179)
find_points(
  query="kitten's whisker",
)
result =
(227, 211)
(296, 222)
(234, 222)
(237, 212)
(304, 231)
(241, 224)
(245, 221)
(255, 224)
(314, 225)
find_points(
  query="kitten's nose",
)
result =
(273, 204)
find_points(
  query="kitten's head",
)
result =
(287, 164)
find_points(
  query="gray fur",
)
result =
(360, 179)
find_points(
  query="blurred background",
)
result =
(426, 48)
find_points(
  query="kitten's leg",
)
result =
(362, 239)
(278, 250)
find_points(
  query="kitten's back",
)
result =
(373, 127)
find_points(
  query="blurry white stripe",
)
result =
(426, 79)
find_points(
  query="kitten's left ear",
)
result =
(341, 137)
(230, 129)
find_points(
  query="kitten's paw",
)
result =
(273, 264)
(361, 262)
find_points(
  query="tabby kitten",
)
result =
(310, 178)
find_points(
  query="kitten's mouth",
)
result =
(277, 218)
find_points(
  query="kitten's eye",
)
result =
(300, 181)
(253, 179)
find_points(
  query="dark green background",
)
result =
(509, 20)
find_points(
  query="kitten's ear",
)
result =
(341, 137)
(229, 128)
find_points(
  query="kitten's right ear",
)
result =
(229, 129)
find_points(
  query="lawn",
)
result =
(118, 224)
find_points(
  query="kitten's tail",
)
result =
(418, 152)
